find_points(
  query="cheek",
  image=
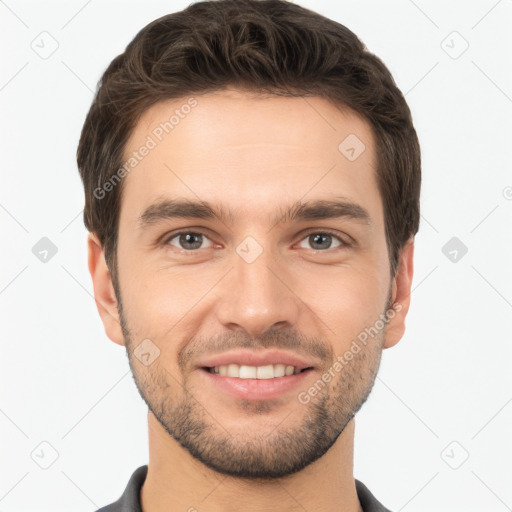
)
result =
(349, 302)
(162, 303)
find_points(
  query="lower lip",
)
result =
(256, 389)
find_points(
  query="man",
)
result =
(252, 182)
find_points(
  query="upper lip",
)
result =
(251, 358)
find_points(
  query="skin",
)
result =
(254, 154)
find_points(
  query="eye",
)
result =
(192, 241)
(188, 240)
(322, 240)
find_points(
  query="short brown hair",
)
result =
(271, 46)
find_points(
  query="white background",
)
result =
(65, 383)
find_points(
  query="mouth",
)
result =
(265, 372)
(255, 375)
(255, 383)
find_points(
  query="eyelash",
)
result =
(335, 234)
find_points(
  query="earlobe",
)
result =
(104, 294)
(401, 295)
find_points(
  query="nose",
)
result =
(257, 296)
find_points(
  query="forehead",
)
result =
(249, 152)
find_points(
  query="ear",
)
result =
(401, 295)
(104, 293)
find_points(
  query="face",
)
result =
(254, 322)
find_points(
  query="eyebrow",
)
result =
(167, 209)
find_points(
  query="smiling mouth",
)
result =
(269, 371)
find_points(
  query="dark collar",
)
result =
(130, 499)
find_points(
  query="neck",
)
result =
(177, 481)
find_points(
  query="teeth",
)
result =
(243, 371)
(279, 370)
(263, 372)
(233, 370)
(248, 372)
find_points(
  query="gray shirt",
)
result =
(130, 500)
